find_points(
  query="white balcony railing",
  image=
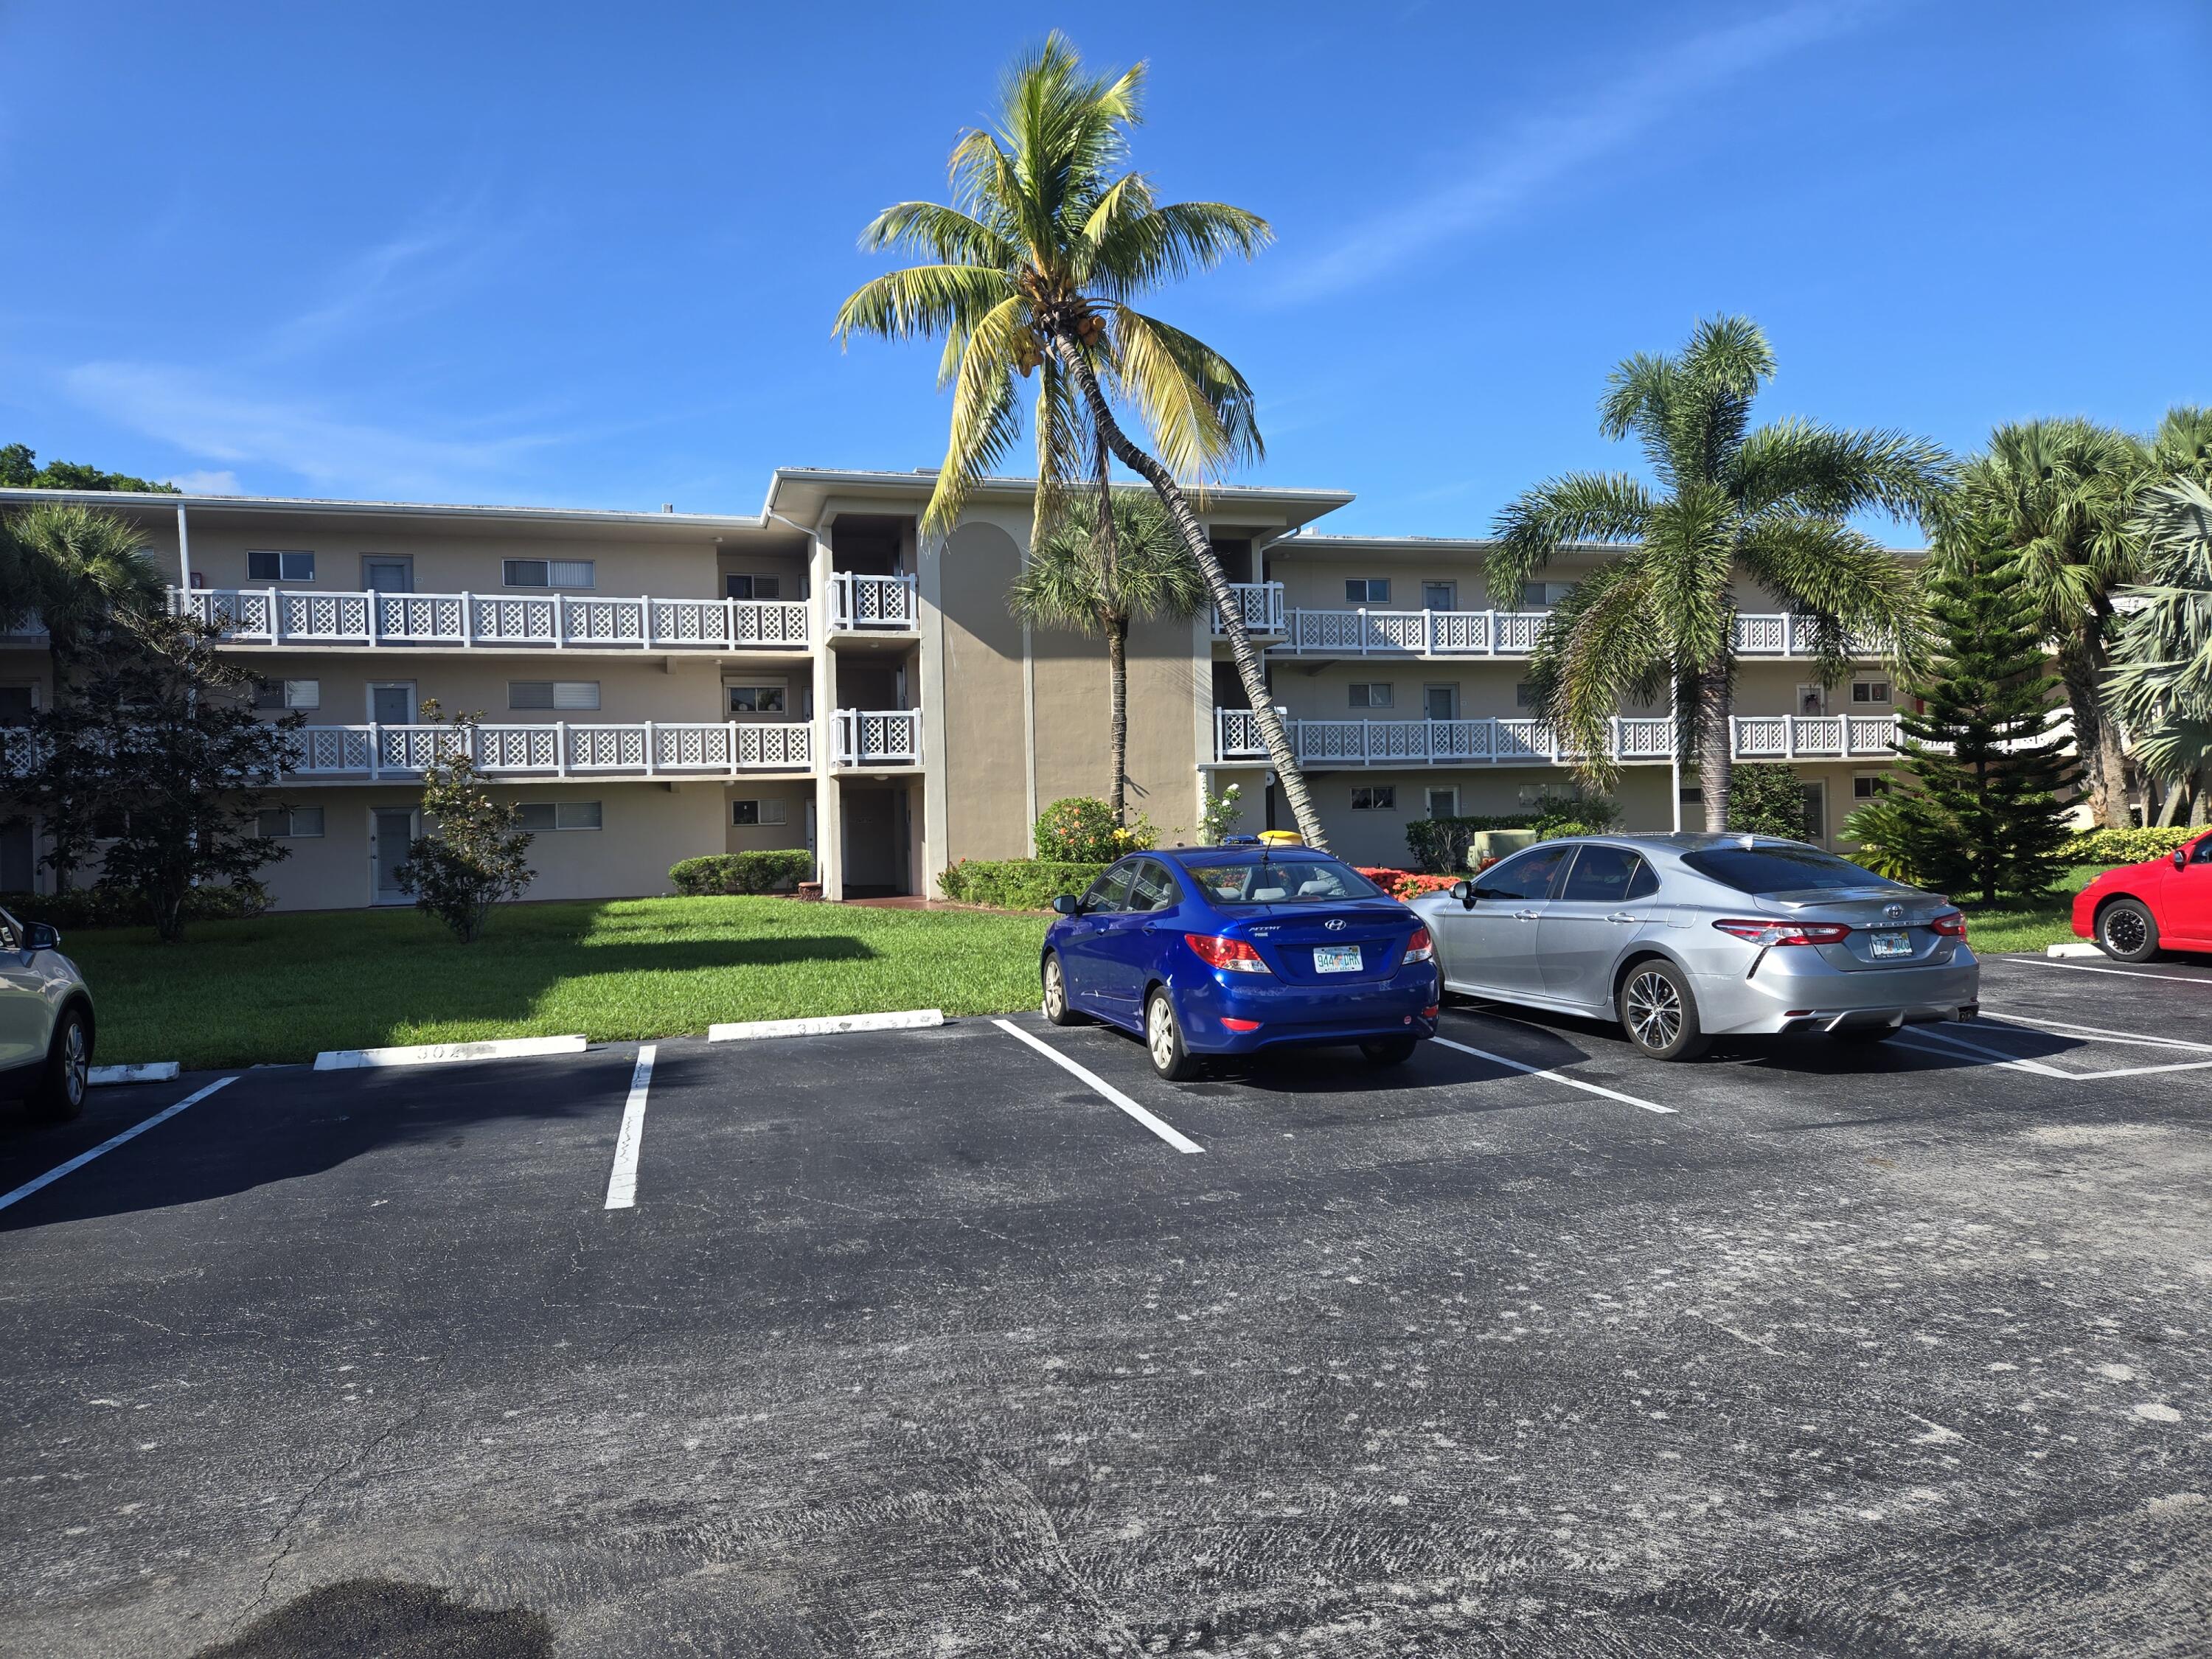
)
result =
(1634, 740)
(550, 622)
(559, 749)
(1359, 632)
(877, 737)
(859, 603)
(15, 751)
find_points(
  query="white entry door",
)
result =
(391, 831)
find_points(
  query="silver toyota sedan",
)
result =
(1684, 938)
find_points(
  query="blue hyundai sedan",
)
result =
(1217, 951)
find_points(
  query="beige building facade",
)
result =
(822, 675)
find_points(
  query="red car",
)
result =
(2135, 912)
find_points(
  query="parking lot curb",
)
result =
(436, 1053)
(911, 1019)
(2083, 948)
(145, 1071)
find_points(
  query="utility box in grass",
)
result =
(1485, 847)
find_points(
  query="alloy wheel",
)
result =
(76, 1065)
(1159, 1034)
(1055, 990)
(2124, 931)
(1655, 1011)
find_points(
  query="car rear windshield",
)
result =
(1259, 881)
(1764, 869)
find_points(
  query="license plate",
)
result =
(1336, 959)
(1893, 945)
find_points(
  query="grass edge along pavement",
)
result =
(283, 987)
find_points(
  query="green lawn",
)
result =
(1995, 928)
(283, 987)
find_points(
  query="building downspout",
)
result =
(184, 554)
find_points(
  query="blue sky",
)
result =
(587, 256)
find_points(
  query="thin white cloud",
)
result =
(207, 483)
(327, 452)
(1499, 179)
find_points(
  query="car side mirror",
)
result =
(1067, 905)
(41, 936)
(2181, 858)
(1464, 892)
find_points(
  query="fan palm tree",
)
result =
(1767, 503)
(1077, 578)
(2059, 496)
(79, 570)
(1033, 270)
(2160, 685)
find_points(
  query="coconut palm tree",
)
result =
(1077, 578)
(78, 568)
(2160, 685)
(1768, 503)
(1033, 270)
(2059, 496)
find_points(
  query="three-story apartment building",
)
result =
(820, 675)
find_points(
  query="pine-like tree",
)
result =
(1987, 746)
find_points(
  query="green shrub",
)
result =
(1081, 831)
(1439, 845)
(723, 874)
(1588, 815)
(1767, 799)
(1891, 835)
(1017, 884)
(108, 905)
(2116, 847)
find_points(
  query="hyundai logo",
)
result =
(1335, 926)
(1894, 912)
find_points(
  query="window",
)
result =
(1367, 590)
(1444, 803)
(546, 573)
(1604, 875)
(539, 816)
(1372, 694)
(1105, 896)
(1374, 797)
(1778, 867)
(746, 813)
(736, 586)
(1539, 596)
(1525, 875)
(552, 694)
(1152, 887)
(287, 694)
(280, 567)
(291, 823)
(1280, 881)
(1524, 695)
(1439, 596)
(1440, 702)
(1869, 786)
(1870, 691)
(756, 699)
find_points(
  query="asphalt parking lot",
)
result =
(923, 1343)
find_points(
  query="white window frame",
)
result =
(1367, 586)
(582, 696)
(575, 808)
(731, 688)
(286, 570)
(291, 815)
(1877, 785)
(589, 567)
(288, 694)
(1387, 688)
(769, 811)
(1887, 699)
(1381, 797)
(752, 579)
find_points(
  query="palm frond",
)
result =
(922, 301)
(986, 421)
(1846, 586)
(1198, 409)
(946, 234)
(1136, 252)
(1599, 649)
(1795, 465)
(1718, 375)
(1638, 394)
(1580, 506)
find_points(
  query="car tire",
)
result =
(2127, 932)
(1659, 1013)
(1389, 1051)
(1163, 1042)
(62, 1085)
(1054, 979)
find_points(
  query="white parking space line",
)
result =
(2084, 967)
(622, 1184)
(110, 1143)
(1160, 1127)
(2068, 1028)
(1921, 1037)
(1555, 1076)
(2142, 1070)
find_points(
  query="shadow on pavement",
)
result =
(378, 1618)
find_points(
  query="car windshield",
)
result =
(1764, 870)
(1257, 880)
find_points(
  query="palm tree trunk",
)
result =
(1242, 651)
(1715, 755)
(1117, 665)
(2096, 741)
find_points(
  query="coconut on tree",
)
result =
(1032, 272)
(1724, 500)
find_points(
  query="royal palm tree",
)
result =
(2059, 496)
(2161, 682)
(79, 570)
(1033, 271)
(1077, 578)
(1766, 503)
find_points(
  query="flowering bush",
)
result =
(2116, 847)
(1404, 884)
(1081, 831)
(1222, 810)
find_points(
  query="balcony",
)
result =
(548, 622)
(872, 605)
(559, 749)
(1365, 633)
(869, 736)
(1635, 740)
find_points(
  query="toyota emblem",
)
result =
(1894, 912)
(1335, 926)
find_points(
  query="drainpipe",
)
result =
(184, 554)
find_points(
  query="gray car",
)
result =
(46, 1022)
(1685, 938)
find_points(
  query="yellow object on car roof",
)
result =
(1281, 838)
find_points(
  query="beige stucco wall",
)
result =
(1072, 704)
(985, 773)
(795, 793)
(654, 689)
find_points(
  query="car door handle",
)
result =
(1526, 916)
(1623, 915)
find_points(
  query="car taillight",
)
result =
(1783, 933)
(1233, 955)
(1951, 925)
(1419, 948)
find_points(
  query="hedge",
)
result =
(723, 873)
(101, 905)
(2117, 847)
(1015, 883)
(1406, 884)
